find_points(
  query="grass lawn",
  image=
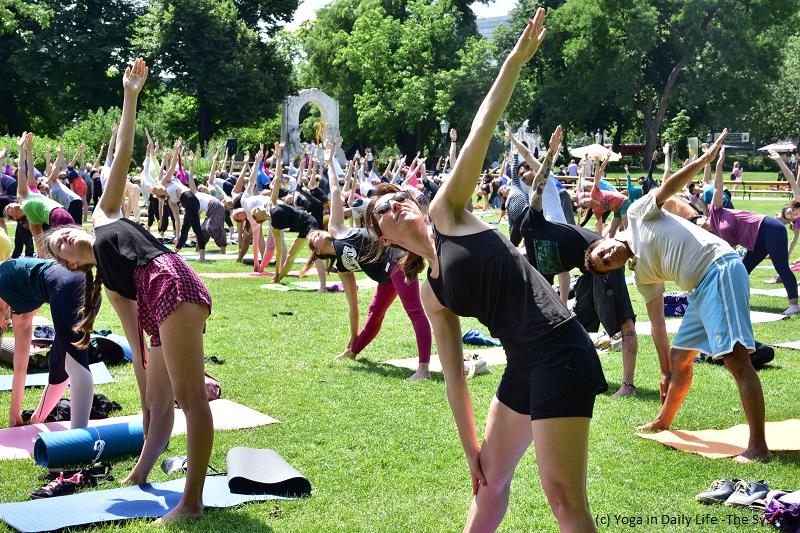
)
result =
(383, 455)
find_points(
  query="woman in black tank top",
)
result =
(154, 290)
(553, 374)
(349, 248)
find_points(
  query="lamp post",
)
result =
(444, 128)
(598, 137)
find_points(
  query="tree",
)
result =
(206, 50)
(397, 73)
(56, 71)
(610, 61)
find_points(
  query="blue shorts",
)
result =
(719, 311)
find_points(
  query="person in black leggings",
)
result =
(25, 285)
(548, 389)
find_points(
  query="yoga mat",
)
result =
(268, 477)
(17, 443)
(303, 286)
(492, 356)
(756, 317)
(769, 292)
(263, 471)
(366, 283)
(233, 275)
(793, 345)
(100, 374)
(76, 446)
(718, 443)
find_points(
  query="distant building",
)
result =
(486, 26)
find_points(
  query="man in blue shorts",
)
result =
(663, 247)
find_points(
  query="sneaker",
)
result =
(792, 310)
(60, 486)
(719, 491)
(746, 493)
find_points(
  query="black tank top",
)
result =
(356, 245)
(119, 248)
(289, 218)
(484, 276)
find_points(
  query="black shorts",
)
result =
(558, 376)
(603, 300)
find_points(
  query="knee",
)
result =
(565, 500)
(680, 359)
(739, 364)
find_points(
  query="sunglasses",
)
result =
(401, 196)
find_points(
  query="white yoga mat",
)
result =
(756, 317)
(492, 356)
(793, 345)
(100, 375)
(769, 292)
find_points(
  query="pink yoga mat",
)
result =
(234, 275)
(17, 443)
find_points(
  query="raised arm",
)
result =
(522, 149)
(97, 156)
(456, 191)
(56, 170)
(192, 183)
(173, 163)
(239, 185)
(48, 167)
(540, 179)
(78, 155)
(112, 142)
(211, 176)
(114, 192)
(251, 182)
(718, 186)
(336, 219)
(667, 163)
(680, 179)
(22, 180)
(276, 183)
(787, 173)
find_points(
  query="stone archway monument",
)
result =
(290, 123)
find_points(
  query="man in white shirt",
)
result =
(663, 247)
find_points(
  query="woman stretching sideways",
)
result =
(155, 290)
(547, 392)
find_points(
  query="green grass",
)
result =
(383, 455)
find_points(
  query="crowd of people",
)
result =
(393, 226)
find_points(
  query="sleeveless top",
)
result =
(119, 248)
(357, 244)
(484, 276)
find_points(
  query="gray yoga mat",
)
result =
(260, 474)
(100, 374)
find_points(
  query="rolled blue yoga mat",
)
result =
(75, 446)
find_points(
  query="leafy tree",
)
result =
(204, 49)
(620, 62)
(397, 72)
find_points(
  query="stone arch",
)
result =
(290, 123)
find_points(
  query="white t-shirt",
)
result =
(62, 194)
(668, 248)
(204, 200)
(175, 189)
(551, 202)
(253, 201)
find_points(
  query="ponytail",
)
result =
(91, 298)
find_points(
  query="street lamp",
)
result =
(598, 137)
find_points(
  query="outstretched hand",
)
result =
(774, 155)
(666, 149)
(277, 150)
(531, 38)
(135, 76)
(453, 135)
(555, 139)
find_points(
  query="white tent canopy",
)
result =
(780, 146)
(594, 151)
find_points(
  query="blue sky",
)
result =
(309, 7)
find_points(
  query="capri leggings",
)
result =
(191, 217)
(409, 297)
(773, 240)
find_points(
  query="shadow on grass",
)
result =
(642, 394)
(382, 369)
(786, 458)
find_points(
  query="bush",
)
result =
(248, 138)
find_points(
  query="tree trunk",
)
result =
(615, 144)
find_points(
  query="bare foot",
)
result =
(419, 375)
(181, 512)
(347, 354)
(754, 455)
(625, 390)
(655, 425)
